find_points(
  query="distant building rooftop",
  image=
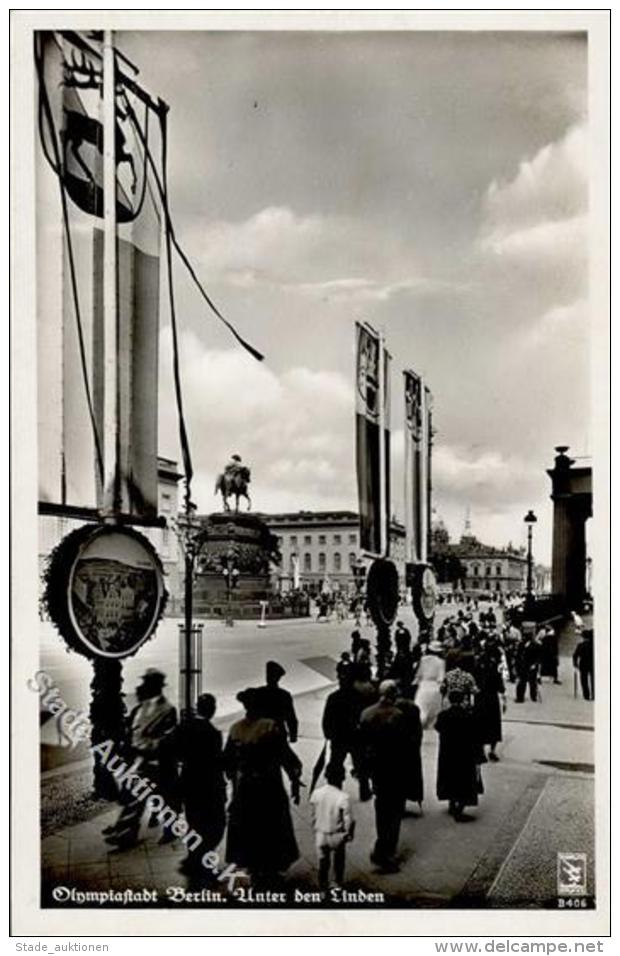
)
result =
(297, 518)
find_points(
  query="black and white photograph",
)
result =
(311, 499)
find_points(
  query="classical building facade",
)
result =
(321, 548)
(500, 570)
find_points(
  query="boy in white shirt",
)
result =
(333, 825)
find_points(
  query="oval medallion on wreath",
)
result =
(105, 590)
(382, 591)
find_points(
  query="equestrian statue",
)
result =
(234, 482)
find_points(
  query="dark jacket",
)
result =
(457, 770)
(202, 780)
(277, 704)
(385, 739)
(260, 828)
(583, 656)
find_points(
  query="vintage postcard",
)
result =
(310, 473)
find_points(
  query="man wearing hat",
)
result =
(276, 703)
(151, 734)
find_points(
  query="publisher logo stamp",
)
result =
(572, 872)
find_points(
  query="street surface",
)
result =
(233, 658)
(538, 800)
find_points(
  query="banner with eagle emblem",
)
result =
(413, 464)
(372, 414)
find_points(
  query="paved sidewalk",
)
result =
(506, 857)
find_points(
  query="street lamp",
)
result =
(359, 573)
(231, 574)
(530, 520)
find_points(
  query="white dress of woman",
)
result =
(428, 695)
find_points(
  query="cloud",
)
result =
(566, 324)
(550, 187)
(294, 429)
(332, 258)
(534, 230)
(479, 477)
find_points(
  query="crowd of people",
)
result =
(373, 724)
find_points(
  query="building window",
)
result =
(498, 585)
(293, 541)
(322, 539)
(487, 570)
(475, 573)
(321, 561)
(337, 539)
(352, 559)
(308, 539)
(166, 502)
(498, 569)
(352, 539)
(337, 561)
(307, 562)
(475, 583)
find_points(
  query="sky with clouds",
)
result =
(431, 183)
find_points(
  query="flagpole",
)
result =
(408, 497)
(382, 482)
(423, 555)
(110, 284)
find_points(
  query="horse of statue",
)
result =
(235, 484)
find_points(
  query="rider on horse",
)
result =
(233, 467)
(234, 481)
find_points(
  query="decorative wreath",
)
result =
(382, 591)
(57, 582)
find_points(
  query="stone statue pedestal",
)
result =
(243, 542)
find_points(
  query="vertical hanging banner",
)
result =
(75, 388)
(427, 463)
(413, 463)
(385, 469)
(372, 414)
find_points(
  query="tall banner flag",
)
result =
(385, 467)
(427, 464)
(372, 440)
(84, 380)
(413, 465)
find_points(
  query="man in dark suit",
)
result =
(341, 716)
(202, 781)
(385, 739)
(527, 665)
(583, 660)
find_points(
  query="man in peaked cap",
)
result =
(277, 703)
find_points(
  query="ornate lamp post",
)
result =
(530, 520)
(231, 574)
(191, 536)
(359, 573)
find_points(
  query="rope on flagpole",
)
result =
(163, 192)
(185, 450)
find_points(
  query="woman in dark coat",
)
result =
(458, 777)
(260, 829)
(412, 759)
(487, 708)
